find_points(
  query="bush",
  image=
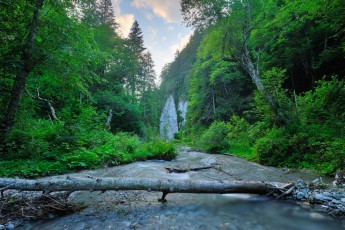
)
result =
(273, 148)
(159, 149)
(214, 138)
(81, 159)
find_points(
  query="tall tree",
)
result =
(23, 71)
(136, 45)
(106, 13)
(241, 18)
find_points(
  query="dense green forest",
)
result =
(74, 93)
(264, 80)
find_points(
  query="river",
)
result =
(140, 209)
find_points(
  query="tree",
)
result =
(241, 18)
(23, 72)
(106, 13)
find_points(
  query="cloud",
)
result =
(182, 43)
(169, 10)
(117, 6)
(125, 21)
(171, 28)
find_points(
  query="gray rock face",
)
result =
(168, 125)
(182, 107)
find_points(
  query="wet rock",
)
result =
(320, 197)
(300, 195)
(328, 194)
(300, 184)
(338, 196)
(9, 226)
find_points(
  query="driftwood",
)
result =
(35, 208)
(176, 170)
(160, 185)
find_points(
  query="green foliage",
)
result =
(158, 149)
(273, 148)
(42, 147)
(81, 159)
(313, 138)
(214, 139)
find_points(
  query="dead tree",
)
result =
(159, 185)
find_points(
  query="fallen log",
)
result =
(160, 185)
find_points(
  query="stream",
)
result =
(140, 209)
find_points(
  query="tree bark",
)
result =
(23, 72)
(163, 185)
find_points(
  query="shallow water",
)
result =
(140, 209)
(195, 211)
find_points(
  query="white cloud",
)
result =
(117, 6)
(182, 43)
(125, 23)
(169, 10)
(171, 28)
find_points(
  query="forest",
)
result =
(264, 80)
(74, 93)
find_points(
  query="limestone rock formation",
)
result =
(168, 122)
(182, 107)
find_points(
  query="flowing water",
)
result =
(140, 209)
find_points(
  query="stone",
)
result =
(300, 195)
(327, 194)
(10, 226)
(182, 108)
(301, 184)
(342, 199)
(168, 125)
(338, 196)
(305, 190)
(322, 198)
(2, 227)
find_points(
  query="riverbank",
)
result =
(140, 209)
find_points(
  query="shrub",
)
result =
(273, 148)
(82, 159)
(160, 149)
(214, 138)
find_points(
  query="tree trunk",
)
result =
(163, 185)
(254, 73)
(23, 72)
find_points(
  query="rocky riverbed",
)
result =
(140, 209)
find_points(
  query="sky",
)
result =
(161, 23)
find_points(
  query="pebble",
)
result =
(322, 198)
(301, 184)
(327, 194)
(300, 195)
(10, 226)
(338, 196)
(342, 199)
(2, 227)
